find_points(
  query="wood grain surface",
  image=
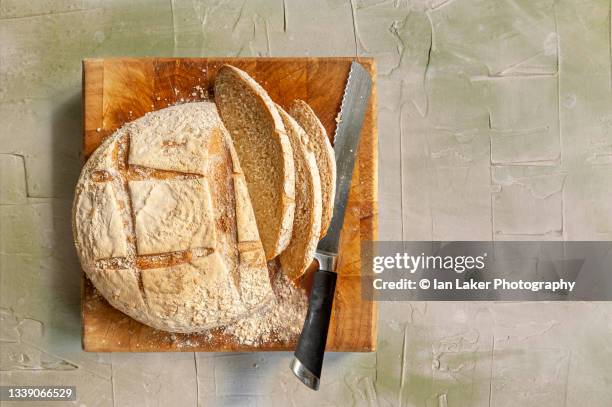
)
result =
(119, 90)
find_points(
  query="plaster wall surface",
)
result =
(495, 122)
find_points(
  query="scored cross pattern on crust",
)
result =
(125, 174)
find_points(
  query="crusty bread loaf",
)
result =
(307, 221)
(163, 224)
(264, 151)
(318, 142)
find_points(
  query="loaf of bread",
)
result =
(296, 258)
(318, 142)
(163, 223)
(264, 151)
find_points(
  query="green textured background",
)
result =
(495, 122)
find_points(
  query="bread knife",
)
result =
(308, 357)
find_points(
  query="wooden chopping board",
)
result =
(119, 90)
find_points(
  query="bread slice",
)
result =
(307, 221)
(264, 151)
(318, 142)
(163, 225)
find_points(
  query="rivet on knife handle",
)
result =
(308, 357)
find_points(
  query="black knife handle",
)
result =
(311, 345)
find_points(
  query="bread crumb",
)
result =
(199, 91)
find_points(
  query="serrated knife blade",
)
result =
(308, 357)
(346, 142)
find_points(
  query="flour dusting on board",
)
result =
(281, 321)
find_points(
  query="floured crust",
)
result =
(103, 227)
(172, 215)
(175, 294)
(159, 235)
(265, 154)
(164, 142)
(307, 221)
(318, 142)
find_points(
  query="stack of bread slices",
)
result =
(289, 167)
(177, 213)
